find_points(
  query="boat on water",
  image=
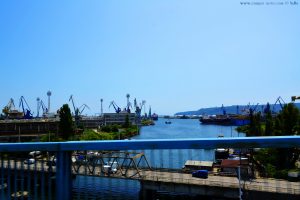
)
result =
(216, 119)
(154, 116)
(168, 122)
(226, 120)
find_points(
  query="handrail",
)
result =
(63, 168)
(198, 143)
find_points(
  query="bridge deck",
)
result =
(259, 184)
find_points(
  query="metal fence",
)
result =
(48, 170)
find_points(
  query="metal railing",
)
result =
(24, 178)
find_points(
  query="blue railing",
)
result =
(14, 166)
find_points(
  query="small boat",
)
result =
(168, 122)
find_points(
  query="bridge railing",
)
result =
(49, 175)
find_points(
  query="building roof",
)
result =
(197, 163)
(227, 163)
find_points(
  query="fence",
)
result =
(51, 177)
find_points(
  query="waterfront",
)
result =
(107, 188)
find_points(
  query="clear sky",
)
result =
(176, 55)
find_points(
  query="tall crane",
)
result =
(280, 101)
(73, 104)
(223, 110)
(82, 107)
(128, 103)
(26, 111)
(77, 111)
(43, 106)
(116, 107)
(254, 107)
(11, 112)
(101, 100)
(150, 113)
(137, 108)
(143, 104)
(9, 107)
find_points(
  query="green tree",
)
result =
(127, 123)
(290, 119)
(269, 121)
(277, 161)
(287, 124)
(66, 124)
(255, 124)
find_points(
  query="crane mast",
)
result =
(26, 111)
(116, 107)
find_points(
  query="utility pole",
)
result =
(49, 94)
(38, 106)
(101, 100)
(240, 188)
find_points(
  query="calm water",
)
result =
(105, 188)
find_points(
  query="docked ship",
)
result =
(226, 120)
(154, 116)
(216, 119)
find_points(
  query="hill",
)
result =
(234, 109)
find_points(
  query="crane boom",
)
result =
(280, 101)
(82, 107)
(11, 104)
(72, 100)
(26, 111)
(116, 107)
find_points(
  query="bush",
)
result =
(90, 135)
(106, 129)
(110, 128)
(53, 138)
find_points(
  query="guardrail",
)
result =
(63, 152)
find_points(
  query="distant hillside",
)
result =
(230, 109)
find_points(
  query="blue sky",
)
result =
(176, 55)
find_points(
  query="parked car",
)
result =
(200, 174)
(29, 161)
(34, 154)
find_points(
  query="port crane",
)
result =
(137, 108)
(143, 104)
(254, 107)
(281, 103)
(9, 107)
(26, 111)
(43, 106)
(116, 107)
(82, 107)
(223, 110)
(76, 110)
(129, 105)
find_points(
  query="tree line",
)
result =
(276, 161)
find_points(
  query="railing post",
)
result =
(63, 175)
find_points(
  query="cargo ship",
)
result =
(225, 120)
